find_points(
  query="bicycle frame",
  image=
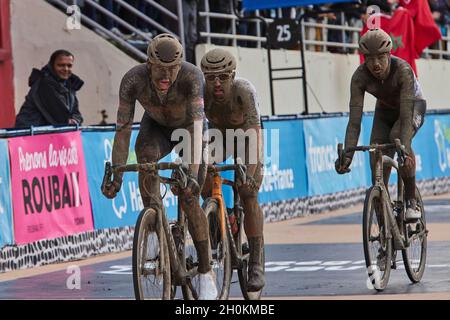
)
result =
(217, 195)
(393, 230)
(180, 273)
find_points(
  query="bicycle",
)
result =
(385, 228)
(229, 222)
(164, 256)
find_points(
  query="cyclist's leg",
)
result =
(383, 122)
(151, 146)
(408, 171)
(254, 225)
(198, 224)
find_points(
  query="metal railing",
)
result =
(350, 34)
(135, 47)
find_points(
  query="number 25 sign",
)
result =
(284, 33)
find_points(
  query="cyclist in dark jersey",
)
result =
(171, 92)
(399, 110)
(231, 104)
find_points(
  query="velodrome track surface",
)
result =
(315, 257)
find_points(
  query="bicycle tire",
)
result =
(377, 276)
(220, 249)
(415, 274)
(150, 272)
(189, 257)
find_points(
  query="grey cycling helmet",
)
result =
(165, 50)
(218, 60)
(375, 41)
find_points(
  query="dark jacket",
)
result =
(50, 101)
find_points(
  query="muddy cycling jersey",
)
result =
(399, 98)
(238, 111)
(179, 107)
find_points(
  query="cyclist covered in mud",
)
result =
(399, 110)
(231, 105)
(171, 92)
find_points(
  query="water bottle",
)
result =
(233, 221)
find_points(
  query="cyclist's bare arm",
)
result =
(246, 93)
(125, 116)
(195, 121)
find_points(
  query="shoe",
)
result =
(255, 266)
(208, 290)
(255, 278)
(412, 212)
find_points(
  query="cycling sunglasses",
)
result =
(222, 77)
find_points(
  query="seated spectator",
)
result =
(52, 97)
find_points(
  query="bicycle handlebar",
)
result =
(181, 169)
(240, 171)
(373, 147)
(147, 167)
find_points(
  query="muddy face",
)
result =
(378, 65)
(164, 77)
(219, 85)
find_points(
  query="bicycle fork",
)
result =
(177, 270)
(392, 230)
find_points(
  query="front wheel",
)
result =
(220, 248)
(415, 255)
(377, 248)
(150, 259)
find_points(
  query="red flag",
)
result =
(401, 29)
(425, 29)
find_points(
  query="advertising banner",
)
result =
(321, 139)
(284, 158)
(6, 230)
(124, 209)
(437, 138)
(422, 146)
(49, 186)
(272, 4)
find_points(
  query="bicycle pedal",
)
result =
(394, 265)
(245, 248)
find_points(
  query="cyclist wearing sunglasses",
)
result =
(171, 92)
(231, 103)
(399, 110)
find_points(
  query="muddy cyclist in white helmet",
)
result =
(171, 92)
(399, 110)
(231, 103)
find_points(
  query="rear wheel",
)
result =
(150, 259)
(243, 248)
(414, 256)
(377, 248)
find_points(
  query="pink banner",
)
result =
(49, 186)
